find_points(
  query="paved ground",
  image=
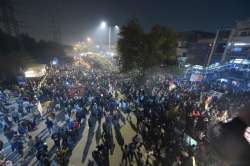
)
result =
(89, 141)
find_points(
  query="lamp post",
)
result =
(88, 39)
(109, 37)
(104, 26)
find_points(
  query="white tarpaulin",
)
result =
(196, 77)
(36, 71)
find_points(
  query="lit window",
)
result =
(237, 49)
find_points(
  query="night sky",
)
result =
(78, 18)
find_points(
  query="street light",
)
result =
(117, 28)
(89, 39)
(104, 25)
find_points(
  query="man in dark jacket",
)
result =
(49, 125)
(57, 140)
(125, 155)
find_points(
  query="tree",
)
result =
(163, 41)
(139, 50)
(130, 46)
(22, 51)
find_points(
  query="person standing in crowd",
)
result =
(57, 139)
(22, 129)
(31, 145)
(49, 125)
(15, 116)
(8, 133)
(64, 135)
(131, 151)
(125, 155)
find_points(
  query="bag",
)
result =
(76, 125)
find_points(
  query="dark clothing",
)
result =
(125, 155)
(57, 140)
(1, 145)
(49, 123)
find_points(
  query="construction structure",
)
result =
(218, 46)
(55, 30)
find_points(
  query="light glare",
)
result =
(103, 25)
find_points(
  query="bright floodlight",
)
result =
(54, 62)
(241, 44)
(103, 25)
(112, 54)
(89, 39)
(29, 73)
(117, 27)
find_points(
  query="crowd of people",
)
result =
(170, 117)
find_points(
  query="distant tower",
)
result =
(55, 31)
(8, 20)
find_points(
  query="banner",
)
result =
(196, 77)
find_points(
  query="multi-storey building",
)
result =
(238, 46)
